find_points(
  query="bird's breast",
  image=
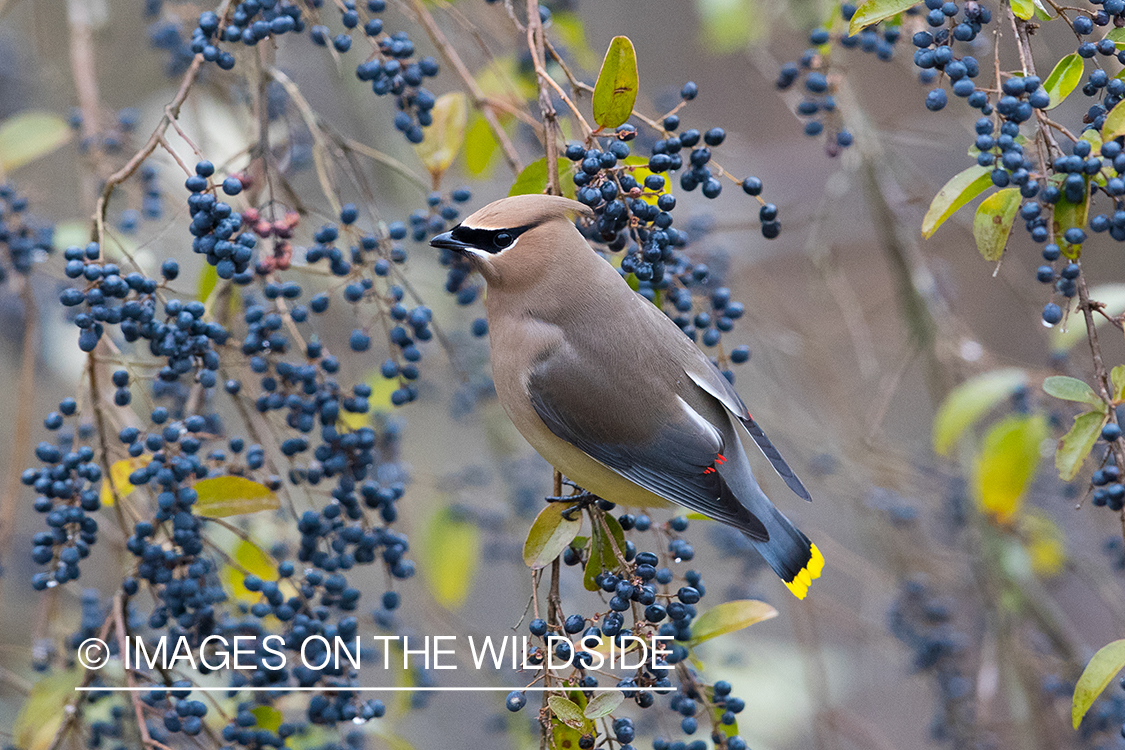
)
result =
(516, 347)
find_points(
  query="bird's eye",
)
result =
(503, 239)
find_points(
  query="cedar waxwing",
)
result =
(609, 390)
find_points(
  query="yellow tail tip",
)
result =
(800, 585)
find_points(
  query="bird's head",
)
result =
(512, 240)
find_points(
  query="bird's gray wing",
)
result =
(675, 459)
(712, 381)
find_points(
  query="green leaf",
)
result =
(43, 711)
(480, 146)
(1117, 36)
(1075, 445)
(603, 704)
(563, 737)
(1101, 670)
(1024, 9)
(533, 179)
(719, 709)
(969, 401)
(450, 552)
(1094, 138)
(1006, 464)
(568, 712)
(1071, 389)
(873, 11)
(602, 556)
(442, 140)
(1117, 378)
(616, 89)
(1069, 215)
(26, 136)
(993, 222)
(549, 535)
(220, 497)
(1065, 77)
(268, 717)
(1112, 296)
(729, 617)
(961, 188)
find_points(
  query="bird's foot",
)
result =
(579, 501)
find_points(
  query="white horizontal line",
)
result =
(342, 689)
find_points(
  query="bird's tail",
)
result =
(788, 551)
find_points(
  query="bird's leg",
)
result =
(579, 500)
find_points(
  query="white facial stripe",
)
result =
(509, 247)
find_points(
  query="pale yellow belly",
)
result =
(580, 468)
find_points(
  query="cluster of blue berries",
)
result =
(67, 494)
(152, 202)
(23, 239)
(936, 54)
(215, 225)
(633, 209)
(922, 621)
(641, 585)
(249, 22)
(392, 68)
(1109, 492)
(817, 107)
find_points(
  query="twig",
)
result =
(536, 45)
(480, 101)
(349, 144)
(123, 646)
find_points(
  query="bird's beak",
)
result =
(446, 240)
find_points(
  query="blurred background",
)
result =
(916, 635)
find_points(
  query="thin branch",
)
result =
(480, 101)
(536, 45)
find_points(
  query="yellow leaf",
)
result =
(451, 552)
(119, 473)
(1097, 675)
(1024, 9)
(970, 401)
(993, 222)
(1006, 464)
(268, 717)
(442, 140)
(26, 136)
(251, 557)
(42, 712)
(1044, 542)
(232, 496)
(640, 171)
(729, 617)
(480, 146)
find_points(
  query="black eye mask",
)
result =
(488, 240)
